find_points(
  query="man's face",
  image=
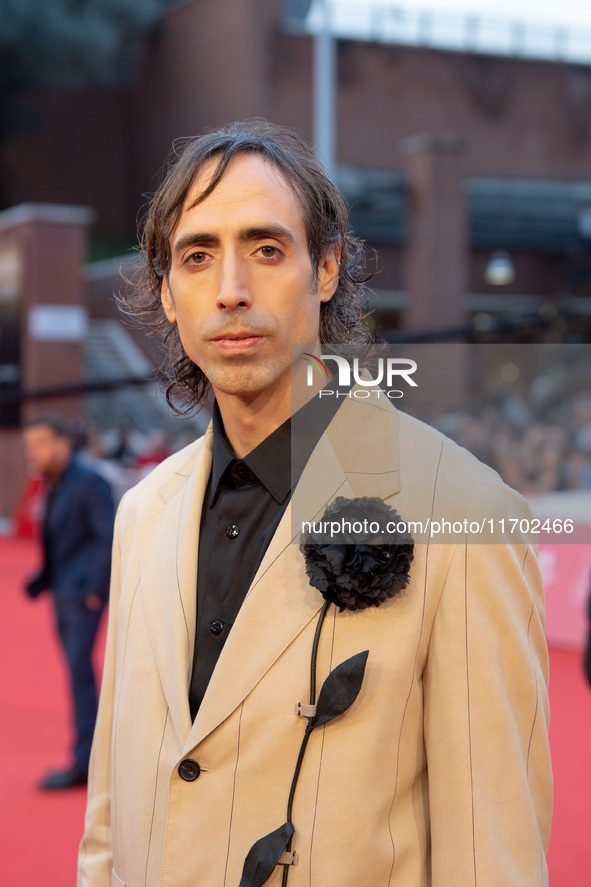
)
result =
(46, 452)
(241, 285)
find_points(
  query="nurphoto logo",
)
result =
(314, 363)
(385, 370)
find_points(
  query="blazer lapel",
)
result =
(281, 602)
(169, 538)
(364, 434)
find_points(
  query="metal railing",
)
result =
(479, 33)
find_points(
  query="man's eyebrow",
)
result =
(277, 231)
(194, 240)
(251, 233)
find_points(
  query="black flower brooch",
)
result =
(358, 555)
(367, 558)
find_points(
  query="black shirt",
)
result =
(243, 504)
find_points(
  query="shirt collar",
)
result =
(277, 461)
(270, 460)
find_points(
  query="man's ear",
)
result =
(167, 301)
(329, 269)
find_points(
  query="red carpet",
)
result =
(569, 857)
(40, 832)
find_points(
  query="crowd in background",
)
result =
(537, 447)
(124, 455)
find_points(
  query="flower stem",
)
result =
(308, 731)
(314, 657)
(296, 772)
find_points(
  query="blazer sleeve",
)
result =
(95, 860)
(486, 713)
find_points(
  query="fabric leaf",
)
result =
(341, 688)
(264, 855)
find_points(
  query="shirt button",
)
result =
(232, 531)
(189, 770)
(241, 470)
(216, 627)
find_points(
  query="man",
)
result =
(77, 538)
(438, 774)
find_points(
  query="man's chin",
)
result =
(246, 382)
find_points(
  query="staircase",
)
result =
(111, 353)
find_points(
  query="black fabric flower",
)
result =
(358, 556)
(359, 553)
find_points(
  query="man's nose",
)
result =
(234, 290)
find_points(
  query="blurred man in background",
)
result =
(77, 534)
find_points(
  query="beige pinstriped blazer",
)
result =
(438, 775)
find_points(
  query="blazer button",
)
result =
(189, 770)
(216, 627)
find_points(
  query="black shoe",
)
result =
(76, 775)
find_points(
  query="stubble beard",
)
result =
(244, 379)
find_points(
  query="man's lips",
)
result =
(236, 336)
(241, 341)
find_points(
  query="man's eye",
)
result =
(197, 258)
(268, 252)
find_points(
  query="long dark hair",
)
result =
(326, 218)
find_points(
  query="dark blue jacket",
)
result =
(78, 535)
